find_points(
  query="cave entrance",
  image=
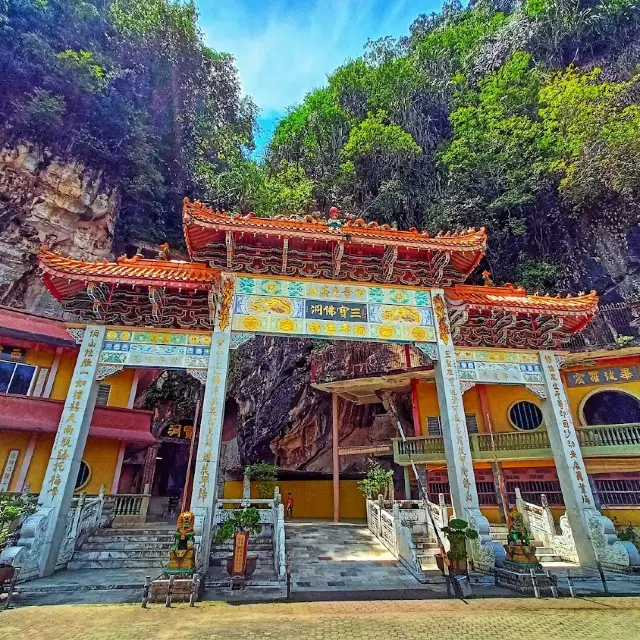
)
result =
(170, 481)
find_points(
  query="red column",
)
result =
(336, 458)
(417, 430)
(497, 467)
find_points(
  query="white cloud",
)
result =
(285, 49)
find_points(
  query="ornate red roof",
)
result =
(133, 291)
(69, 275)
(350, 249)
(508, 316)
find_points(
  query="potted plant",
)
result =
(240, 525)
(13, 510)
(266, 476)
(458, 532)
(376, 481)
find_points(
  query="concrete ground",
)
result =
(494, 619)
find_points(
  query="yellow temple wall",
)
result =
(39, 357)
(578, 395)
(101, 454)
(312, 499)
(120, 382)
(11, 440)
(499, 397)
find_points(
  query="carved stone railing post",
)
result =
(246, 486)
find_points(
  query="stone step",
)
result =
(136, 531)
(548, 557)
(119, 554)
(118, 563)
(252, 552)
(127, 539)
(125, 545)
(264, 564)
(253, 546)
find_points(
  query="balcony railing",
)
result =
(343, 360)
(603, 440)
(616, 325)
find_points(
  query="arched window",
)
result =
(611, 406)
(84, 475)
(525, 415)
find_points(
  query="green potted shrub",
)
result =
(239, 526)
(266, 477)
(376, 481)
(458, 532)
(13, 510)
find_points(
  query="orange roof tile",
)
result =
(310, 226)
(517, 299)
(127, 270)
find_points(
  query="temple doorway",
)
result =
(170, 481)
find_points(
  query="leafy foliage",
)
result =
(12, 509)
(376, 481)
(458, 533)
(522, 118)
(240, 520)
(266, 475)
(128, 87)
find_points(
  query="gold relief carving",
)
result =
(440, 310)
(226, 299)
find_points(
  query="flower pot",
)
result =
(249, 568)
(6, 574)
(459, 567)
(440, 562)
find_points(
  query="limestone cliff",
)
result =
(46, 200)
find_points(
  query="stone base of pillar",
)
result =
(203, 519)
(486, 553)
(611, 553)
(28, 553)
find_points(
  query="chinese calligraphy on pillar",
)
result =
(71, 435)
(560, 407)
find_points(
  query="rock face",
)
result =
(282, 419)
(44, 200)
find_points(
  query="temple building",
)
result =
(496, 399)
(37, 358)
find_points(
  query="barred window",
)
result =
(525, 415)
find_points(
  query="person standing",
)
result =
(289, 506)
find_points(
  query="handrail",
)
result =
(613, 435)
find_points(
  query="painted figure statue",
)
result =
(182, 556)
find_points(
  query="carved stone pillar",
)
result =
(584, 528)
(203, 497)
(462, 483)
(42, 533)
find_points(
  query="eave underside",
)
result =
(332, 258)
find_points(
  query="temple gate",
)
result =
(335, 279)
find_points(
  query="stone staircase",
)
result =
(131, 547)
(427, 547)
(426, 550)
(260, 546)
(499, 533)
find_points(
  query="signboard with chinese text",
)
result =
(602, 376)
(9, 468)
(337, 310)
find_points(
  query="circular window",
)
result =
(525, 415)
(610, 406)
(84, 475)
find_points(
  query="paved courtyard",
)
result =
(494, 619)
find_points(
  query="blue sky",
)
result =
(283, 49)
